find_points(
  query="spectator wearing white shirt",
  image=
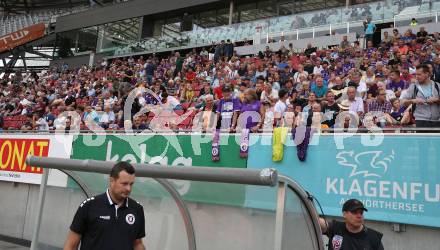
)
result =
(356, 103)
(60, 121)
(40, 123)
(107, 117)
(280, 106)
(269, 94)
(296, 76)
(388, 92)
(318, 67)
(261, 71)
(171, 102)
(109, 99)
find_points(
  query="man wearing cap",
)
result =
(351, 234)
(228, 109)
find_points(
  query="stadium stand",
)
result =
(180, 84)
(303, 22)
(31, 101)
(316, 70)
(11, 23)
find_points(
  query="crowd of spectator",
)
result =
(202, 90)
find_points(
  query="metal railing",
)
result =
(265, 177)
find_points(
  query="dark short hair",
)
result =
(121, 166)
(396, 71)
(424, 67)
(282, 93)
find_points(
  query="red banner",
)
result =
(21, 37)
(13, 154)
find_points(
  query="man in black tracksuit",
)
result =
(112, 220)
(351, 234)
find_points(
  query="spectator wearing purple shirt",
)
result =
(228, 109)
(348, 64)
(325, 72)
(252, 106)
(395, 83)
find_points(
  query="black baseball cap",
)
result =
(353, 205)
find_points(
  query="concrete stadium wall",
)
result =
(217, 227)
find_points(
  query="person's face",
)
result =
(319, 82)
(312, 97)
(351, 93)
(316, 108)
(268, 87)
(355, 219)
(209, 101)
(421, 75)
(330, 97)
(227, 95)
(338, 81)
(381, 96)
(396, 104)
(394, 77)
(137, 122)
(355, 78)
(247, 96)
(380, 86)
(430, 68)
(306, 86)
(258, 86)
(121, 187)
(294, 96)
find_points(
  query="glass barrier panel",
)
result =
(230, 216)
(298, 232)
(164, 224)
(422, 18)
(62, 200)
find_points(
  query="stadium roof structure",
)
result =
(25, 6)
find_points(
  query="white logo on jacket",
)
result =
(130, 219)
